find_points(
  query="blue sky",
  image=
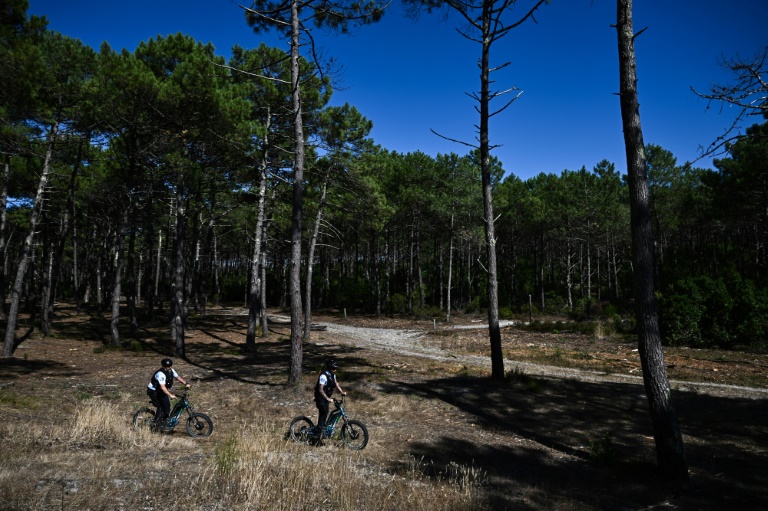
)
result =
(410, 77)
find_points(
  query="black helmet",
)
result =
(331, 364)
(167, 362)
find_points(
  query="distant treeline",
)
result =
(146, 175)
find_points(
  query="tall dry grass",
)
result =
(87, 456)
(251, 470)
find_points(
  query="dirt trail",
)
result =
(408, 342)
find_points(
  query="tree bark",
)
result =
(294, 377)
(254, 310)
(58, 255)
(118, 277)
(26, 254)
(310, 259)
(133, 280)
(450, 274)
(666, 431)
(177, 313)
(497, 357)
(3, 244)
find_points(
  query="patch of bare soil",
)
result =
(569, 430)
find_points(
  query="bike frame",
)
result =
(181, 405)
(333, 418)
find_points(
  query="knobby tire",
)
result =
(354, 434)
(144, 419)
(302, 430)
(199, 425)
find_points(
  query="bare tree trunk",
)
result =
(99, 267)
(254, 299)
(91, 264)
(177, 299)
(263, 292)
(58, 255)
(409, 284)
(263, 264)
(377, 272)
(440, 275)
(419, 273)
(75, 252)
(133, 280)
(118, 277)
(297, 354)
(3, 244)
(45, 277)
(666, 431)
(450, 275)
(191, 266)
(615, 269)
(588, 310)
(388, 268)
(569, 274)
(26, 254)
(497, 357)
(156, 293)
(310, 260)
(216, 286)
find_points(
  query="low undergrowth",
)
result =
(88, 456)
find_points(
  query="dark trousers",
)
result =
(162, 403)
(323, 406)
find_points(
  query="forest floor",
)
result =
(568, 430)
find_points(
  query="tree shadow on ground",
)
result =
(725, 443)
(11, 368)
(266, 363)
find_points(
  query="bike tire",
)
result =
(199, 425)
(302, 430)
(354, 434)
(144, 419)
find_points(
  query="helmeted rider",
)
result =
(326, 384)
(159, 387)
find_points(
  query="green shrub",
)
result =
(703, 312)
(398, 304)
(431, 311)
(473, 306)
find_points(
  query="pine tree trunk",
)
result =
(3, 244)
(310, 260)
(376, 273)
(26, 254)
(666, 431)
(58, 254)
(99, 267)
(419, 272)
(569, 275)
(133, 280)
(409, 283)
(450, 274)
(263, 292)
(118, 277)
(297, 354)
(387, 269)
(177, 299)
(45, 279)
(497, 357)
(254, 311)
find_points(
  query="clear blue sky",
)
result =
(412, 76)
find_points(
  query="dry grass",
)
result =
(89, 457)
(442, 436)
